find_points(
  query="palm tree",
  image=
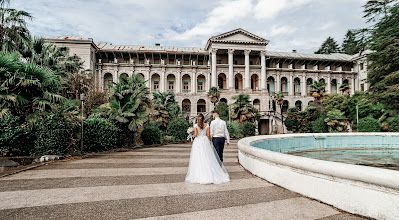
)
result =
(129, 106)
(242, 110)
(214, 95)
(345, 88)
(26, 88)
(13, 27)
(318, 91)
(162, 103)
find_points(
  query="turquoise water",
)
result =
(377, 151)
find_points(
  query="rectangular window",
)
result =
(251, 62)
(218, 61)
(200, 62)
(186, 62)
(171, 61)
(141, 61)
(126, 60)
(235, 62)
(361, 66)
(156, 85)
(156, 61)
(171, 85)
(185, 86)
(200, 86)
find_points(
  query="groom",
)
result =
(219, 134)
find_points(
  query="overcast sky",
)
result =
(288, 24)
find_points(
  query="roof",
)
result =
(292, 55)
(158, 49)
(71, 37)
(219, 38)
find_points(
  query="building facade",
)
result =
(235, 62)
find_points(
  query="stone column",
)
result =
(353, 86)
(263, 83)
(214, 69)
(193, 83)
(115, 76)
(340, 82)
(208, 82)
(148, 79)
(277, 86)
(162, 86)
(231, 70)
(178, 82)
(101, 80)
(247, 77)
(291, 85)
(303, 85)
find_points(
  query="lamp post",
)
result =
(82, 99)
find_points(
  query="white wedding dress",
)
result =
(205, 166)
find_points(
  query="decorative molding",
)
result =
(247, 52)
(231, 51)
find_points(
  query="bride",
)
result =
(205, 166)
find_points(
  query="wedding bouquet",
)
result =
(190, 132)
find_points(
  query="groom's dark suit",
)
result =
(219, 134)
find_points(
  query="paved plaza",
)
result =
(149, 183)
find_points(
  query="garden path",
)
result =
(149, 183)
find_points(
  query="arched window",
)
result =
(334, 86)
(222, 81)
(297, 87)
(186, 82)
(186, 105)
(108, 79)
(309, 82)
(285, 106)
(255, 82)
(141, 75)
(298, 105)
(125, 75)
(201, 106)
(201, 83)
(284, 87)
(155, 82)
(323, 81)
(270, 85)
(171, 82)
(238, 82)
(223, 100)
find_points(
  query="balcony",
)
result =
(186, 91)
(284, 93)
(272, 93)
(297, 94)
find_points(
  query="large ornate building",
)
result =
(236, 62)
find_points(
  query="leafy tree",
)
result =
(13, 27)
(319, 126)
(242, 110)
(369, 124)
(164, 104)
(351, 45)
(383, 68)
(335, 120)
(214, 95)
(329, 46)
(223, 110)
(345, 89)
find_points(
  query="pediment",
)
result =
(238, 36)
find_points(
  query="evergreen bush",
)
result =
(99, 134)
(235, 130)
(249, 129)
(292, 124)
(151, 135)
(369, 124)
(319, 126)
(178, 129)
(393, 124)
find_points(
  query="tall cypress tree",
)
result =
(350, 44)
(328, 46)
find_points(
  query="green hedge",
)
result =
(99, 134)
(249, 129)
(393, 124)
(319, 126)
(235, 130)
(15, 138)
(151, 135)
(292, 124)
(178, 129)
(369, 125)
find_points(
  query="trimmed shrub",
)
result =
(223, 110)
(369, 125)
(319, 126)
(178, 129)
(235, 130)
(393, 124)
(55, 133)
(151, 135)
(249, 129)
(292, 124)
(293, 112)
(99, 134)
(16, 139)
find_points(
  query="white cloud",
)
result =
(327, 26)
(282, 30)
(267, 9)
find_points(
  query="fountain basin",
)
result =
(363, 190)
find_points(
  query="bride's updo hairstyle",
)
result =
(200, 121)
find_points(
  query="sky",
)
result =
(289, 24)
